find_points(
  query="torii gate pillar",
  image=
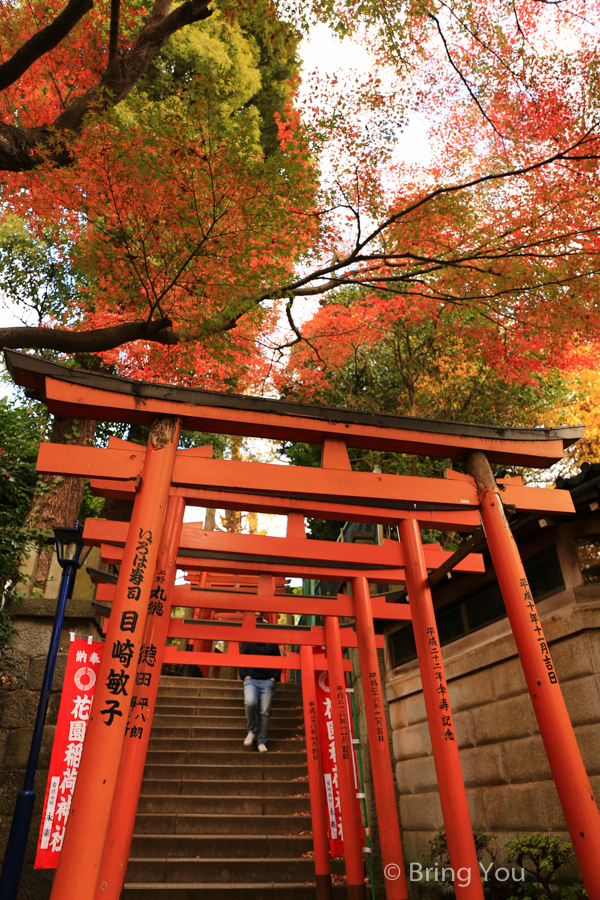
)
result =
(379, 748)
(572, 783)
(451, 787)
(318, 809)
(119, 835)
(337, 685)
(81, 853)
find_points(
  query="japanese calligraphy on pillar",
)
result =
(313, 736)
(81, 673)
(537, 628)
(118, 682)
(140, 705)
(442, 686)
(158, 598)
(143, 695)
(376, 701)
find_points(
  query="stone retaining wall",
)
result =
(509, 785)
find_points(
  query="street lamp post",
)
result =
(69, 544)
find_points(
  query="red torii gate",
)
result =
(333, 491)
(240, 551)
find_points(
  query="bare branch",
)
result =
(462, 77)
(43, 41)
(299, 336)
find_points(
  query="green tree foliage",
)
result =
(251, 63)
(21, 429)
(37, 274)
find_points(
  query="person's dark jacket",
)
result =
(261, 650)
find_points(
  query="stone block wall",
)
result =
(365, 761)
(33, 619)
(509, 784)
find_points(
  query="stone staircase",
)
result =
(216, 819)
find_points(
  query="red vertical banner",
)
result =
(329, 763)
(81, 675)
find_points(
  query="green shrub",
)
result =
(534, 867)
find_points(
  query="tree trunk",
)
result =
(114, 509)
(60, 501)
(231, 520)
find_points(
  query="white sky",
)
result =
(325, 52)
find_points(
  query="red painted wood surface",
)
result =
(326, 484)
(234, 658)
(81, 854)
(318, 807)
(267, 549)
(355, 877)
(91, 403)
(121, 825)
(570, 777)
(178, 628)
(452, 520)
(388, 825)
(451, 787)
(342, 605)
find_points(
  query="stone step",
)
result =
(169, 681)
(244, 756)
(214, 816)
(216, 846)
(226, 804)
(200, 730)
(229, 719)
(236, 692)
(199, 870)
(238, 788)
(224, 707)
(209, 687)
(214, 823)
(195, 730)
(260, 771)
(166, 741)
(222, 891)
(223, 703)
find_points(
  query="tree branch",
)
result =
(112, 64)
(43, 41)
(20, 148)
(462, 77)
(20, 338)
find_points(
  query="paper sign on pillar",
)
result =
(329, 764)
(81, 675)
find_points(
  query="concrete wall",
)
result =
(507, 776)
(18, 706)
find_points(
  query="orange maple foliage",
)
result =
(187, 223)
(182, 219)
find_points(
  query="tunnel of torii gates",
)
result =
(161, 480)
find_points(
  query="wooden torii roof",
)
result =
(77, 392)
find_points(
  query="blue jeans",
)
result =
(258, 696)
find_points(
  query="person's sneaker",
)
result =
(262, 748)
(249, 739)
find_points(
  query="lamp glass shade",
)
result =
(69, 542)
